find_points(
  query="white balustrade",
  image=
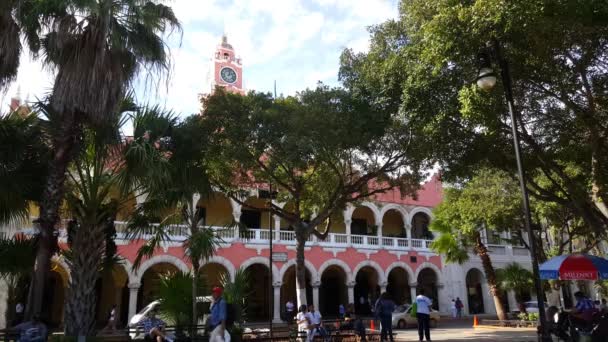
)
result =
(417, 243)
(520, 251)
(497, 249)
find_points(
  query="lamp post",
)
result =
(486, 80)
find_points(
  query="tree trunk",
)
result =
(482, 252)
(87, 258)
(195, 274)
(300, 271)
(52, 196)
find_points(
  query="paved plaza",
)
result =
(463, 331)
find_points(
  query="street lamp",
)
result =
(486, 80)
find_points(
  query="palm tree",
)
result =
(515, 278)
(107, 164)
(236, 292)
(187, 181)
(175, 291)
(16, 263)
(18, 19)
(97, 48)
(23, 161)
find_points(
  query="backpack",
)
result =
(230, 315)
(414, 310)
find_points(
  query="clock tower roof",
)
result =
(225, 44)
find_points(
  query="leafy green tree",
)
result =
(318, 150)
(173, 202)
(489, 201)
(424, 64)
(515, 278)
(17, 255)
(97, 48)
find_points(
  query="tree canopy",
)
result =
(424, 64)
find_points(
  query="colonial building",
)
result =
(380, 245)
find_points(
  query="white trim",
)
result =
(223, 262)
(135, 277)
(425, 265)
(400, 264)
(262, 261)
(405, 217)
(375, 266)
(423, 210)
(292, 262)
(341, 264)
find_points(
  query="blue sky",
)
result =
(295, 42)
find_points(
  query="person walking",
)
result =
(341, 311)
(384, 312)
(459, 307)
(219, 313)
(423, 315)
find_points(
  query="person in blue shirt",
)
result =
(384, 312)
(217, 321)
(154, 327)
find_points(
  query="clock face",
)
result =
(228, 75)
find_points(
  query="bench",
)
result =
(9, 335)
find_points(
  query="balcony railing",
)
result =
(178, 233)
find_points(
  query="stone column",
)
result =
(133, 290)
(379, 225)
(351, 292)
(347, 224)
(408, 233)
(413, 291)
(383, 287)
(315, 294)
(276, 315)
(277, 226)
(512, 300)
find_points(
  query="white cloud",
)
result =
(296, 42)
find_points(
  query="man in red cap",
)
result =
(217, 321)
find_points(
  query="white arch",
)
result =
(400, 209)
(432, 266)
(375, 266)
(216, 259)
(417, 210)
(262, 261)
(135, 277)
(406, 267)
(469, 269)
(341, 264)
(375, 211)
(309, 266)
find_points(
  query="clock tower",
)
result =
(227, 68)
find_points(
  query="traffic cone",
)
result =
(475, 321)
(372, 325)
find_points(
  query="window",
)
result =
(226, 56)
(252, 219)
(358, 227)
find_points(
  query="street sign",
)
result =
(279, 256)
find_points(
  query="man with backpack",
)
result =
(459, 307)
(219, 316)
